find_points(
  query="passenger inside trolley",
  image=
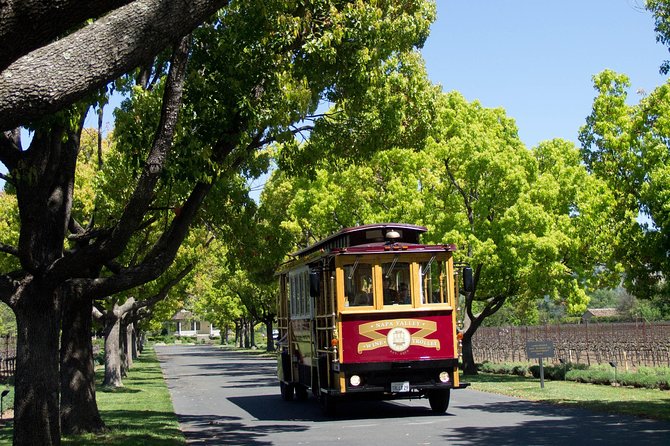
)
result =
(363, 297)
(390, 295)
(403, 294)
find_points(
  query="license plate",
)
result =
(400, 387)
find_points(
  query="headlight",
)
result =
(444, 377)
(355, 380)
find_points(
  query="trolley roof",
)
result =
(378, 237)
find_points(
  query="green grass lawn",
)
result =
(138, 414)
(649, 403)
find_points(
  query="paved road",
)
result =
(231, 398)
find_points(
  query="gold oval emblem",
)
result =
(399, 339)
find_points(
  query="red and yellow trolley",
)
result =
(369, 312)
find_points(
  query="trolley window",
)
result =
(301, 303)
(358, 284)
(396, 283)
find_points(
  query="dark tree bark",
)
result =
(78, 408)
(44, 21)
(126, 344)
(137, 340)
(268, 334)
(36, 380)
(44, 186)
(53, 76)
(473, 322)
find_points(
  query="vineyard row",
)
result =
(629, 345)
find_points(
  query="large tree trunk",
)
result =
(469, 365)
(268, 335)
(252, 336)
(36, 416)
(127, 343)
(112, 352)
(136, 341)
(79, 409)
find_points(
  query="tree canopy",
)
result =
(199, 109)
(528, 221)
(626, 147)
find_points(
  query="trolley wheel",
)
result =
(439, 400)
(328, 404)
(286, 391)
(301, 392)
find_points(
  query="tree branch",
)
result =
(159, 258)
(165, 289)
(463, 194)
(111, 247)
(8, 249)
(46, 21)
(98, 312)
(10, 148)
(8, 286)
(56, 75)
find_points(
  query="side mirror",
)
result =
(314, 283)
(468, 281)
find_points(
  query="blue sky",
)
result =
(536, 58)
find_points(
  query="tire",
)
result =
(439, 400)
(301, 392)
(286, 391)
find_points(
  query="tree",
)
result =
(113, 320)
(626, 147)
(264, 67)
(527, 221)
(43, 177)
(660, 9)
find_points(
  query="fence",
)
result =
(7, 357)
(630, 344)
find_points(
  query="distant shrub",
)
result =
(98, 351)
(516, 368)
(165, 339)
(647, 377)
(555, 371)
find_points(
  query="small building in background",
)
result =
(186, 324)
(600, 313)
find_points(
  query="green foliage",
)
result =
(516, 369)
(256, 70)
(626, 147)
(9, 229)
(165, 339)
(652, 378)
(660, 9)
(556, 371)
(647, 377)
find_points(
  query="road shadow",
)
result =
(571, 425)
(273, 408)
(219, 430)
